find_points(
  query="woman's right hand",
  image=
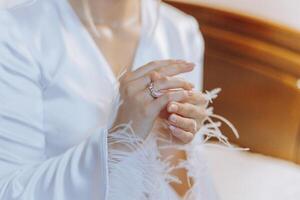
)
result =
(138, 106)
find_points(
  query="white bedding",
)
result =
(249, 176)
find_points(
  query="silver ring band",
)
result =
(153, 92)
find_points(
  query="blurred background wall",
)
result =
(252, 51)
(286, 12)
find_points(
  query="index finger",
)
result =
(174, 69)
(168, 66)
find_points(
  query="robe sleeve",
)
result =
(196, 46)
(25, 171)
(113, 163)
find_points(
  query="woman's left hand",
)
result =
(189, 116)
(186, 118)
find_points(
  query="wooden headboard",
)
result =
(257, 64)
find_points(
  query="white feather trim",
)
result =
(137, 171)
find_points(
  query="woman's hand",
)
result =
(186, 117)
(189, 115)
(139, 106)
(183, 119)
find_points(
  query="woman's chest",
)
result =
(118, 46)
(79, 94)
(79, 97)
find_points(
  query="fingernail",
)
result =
(172, 128)
(172, 118)
(191, 64)
(190, 67)
(173, 108)
(190, 92)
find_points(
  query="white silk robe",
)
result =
(56, 99)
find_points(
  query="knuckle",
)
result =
(150, 75)
(187, 138)
(153, 75)
(184, 84)
(201, 113)
(195, 112)
(191, 123)
(181, 109)
(165, 79)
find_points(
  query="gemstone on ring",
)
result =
(153, 92)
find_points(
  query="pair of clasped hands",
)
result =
(179, 110)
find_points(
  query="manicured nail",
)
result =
(191, 85)
(190, 92)
(172, 128)
(172, 118)
(190, 64)
(173, 108)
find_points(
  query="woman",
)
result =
(64, 135)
